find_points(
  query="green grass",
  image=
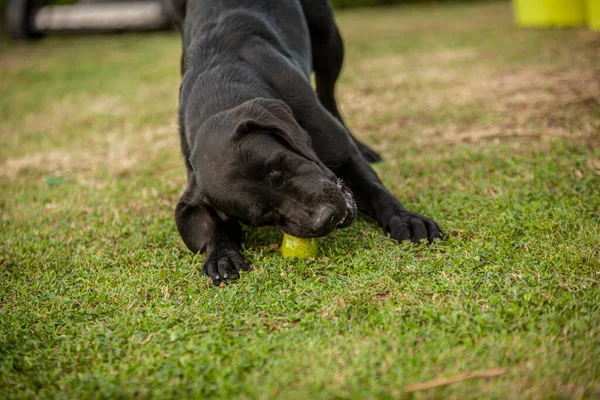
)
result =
(490, 129)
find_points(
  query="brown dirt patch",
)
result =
(119, 152)
(527, 88)
(534, 103)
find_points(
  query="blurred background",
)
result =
(27, 19)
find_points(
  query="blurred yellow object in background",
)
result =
(550, 12)
(593, 14)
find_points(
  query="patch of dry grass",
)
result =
(118, 152)
(448, 97)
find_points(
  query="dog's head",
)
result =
(256, 164)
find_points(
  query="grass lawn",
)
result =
(492, 130)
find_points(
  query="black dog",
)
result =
(260, 146)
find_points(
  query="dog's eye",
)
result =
(276, 178)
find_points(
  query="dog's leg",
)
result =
(374, 200)
(202, 230)
(328, 57)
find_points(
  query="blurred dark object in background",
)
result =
(30, 19)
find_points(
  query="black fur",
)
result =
(261, 147)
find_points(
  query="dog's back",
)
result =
(216, 30)
(221, 67)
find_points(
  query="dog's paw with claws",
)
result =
(223, 266)
(413, 227)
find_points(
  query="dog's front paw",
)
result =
(222, 266)
(409, 226)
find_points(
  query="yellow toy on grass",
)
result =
(302, 248)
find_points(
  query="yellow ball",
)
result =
(298, 247)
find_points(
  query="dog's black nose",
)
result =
(325, 218)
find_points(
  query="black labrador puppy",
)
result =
(261, 147)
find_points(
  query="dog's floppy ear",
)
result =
(277, 117)
(194, 220)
